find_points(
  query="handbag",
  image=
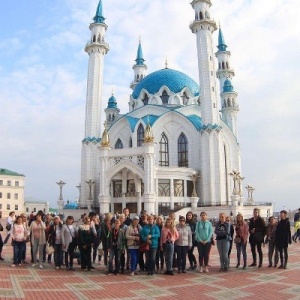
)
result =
(8, 227)
(237, 240)
(144, 247)
(49, 249)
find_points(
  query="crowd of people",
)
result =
(154, 243)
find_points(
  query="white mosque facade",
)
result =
(178, 142)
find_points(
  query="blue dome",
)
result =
(112, 102)
(227, 86)
(174, 80)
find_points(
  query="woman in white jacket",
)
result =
(183, 243)
(68, 239)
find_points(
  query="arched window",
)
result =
(119, 144)
(223, 65)
(227, 65)
(196, 16)
(94, 38)
(140, 135)
(130, 143)
(219, 65)
(163, 151)
(146, 99)
(164, 97)
(182, 151)
(99, 38)
(201, 15)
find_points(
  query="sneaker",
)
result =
(194, 267)
(13, 265)
(41, 267)
(20, 265)
(57, 268)
(206, 270)
(33, 265)
(201, 270)
(132, 273)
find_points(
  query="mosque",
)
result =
(177, 144)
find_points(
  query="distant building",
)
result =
(12, 186)
(32, 205)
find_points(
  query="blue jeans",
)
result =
(241, 248)
(58, 255)
(169, 253)
(223, 248)
(134, 256)
(181, 256)
(150, 260)
(19, 248)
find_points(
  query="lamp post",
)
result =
(79, 190)
(60, 201)
(194, 198)
(90, 183)
(250, 190)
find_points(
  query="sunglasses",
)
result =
(181, 220)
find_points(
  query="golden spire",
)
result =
(148, 138)
(105, 137)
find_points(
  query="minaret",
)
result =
(112, 110)
(212, 173)
(224, 70)
(203, 27)
(96, 49)
(139, 67)
(230, 106)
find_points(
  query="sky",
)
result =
(43, 73)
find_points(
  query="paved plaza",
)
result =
(27, 282)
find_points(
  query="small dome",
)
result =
(112, 102)
(227, 88)
(176, 81)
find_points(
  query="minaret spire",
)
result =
(99, 15)
(96, 48)
(221, 42)
(139, 68)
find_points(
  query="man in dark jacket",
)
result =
(257, 230)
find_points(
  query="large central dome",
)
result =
(176, 81)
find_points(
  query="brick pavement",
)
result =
(27, 282)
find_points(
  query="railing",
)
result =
(138, 160)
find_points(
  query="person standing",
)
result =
(270, 240)
(241, 239)
(55, 239)
(19, 235)
(133, 242)
(229, 221)
(105, 228)
(283, 238)
(10, 221)
(38, 238)
(183, 243)
(150, 234)
(160, 260)
(203, 237)
(223, 238)
(116, 245)
(68, 240)
(192, 259)
(168, 237)
(257, 229)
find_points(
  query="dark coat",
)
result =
(283, 234)
(260, 228)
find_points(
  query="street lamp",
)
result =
(90, 184)
(79, 190)
(60, 184)
(250, 190)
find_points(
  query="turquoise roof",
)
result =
(10, 173)
(221, 46)
(99, 16)
(227, 87)
(112, 102)
(151, 119)
(91, 140)
(71, 205)
(176, 81)
(139, 56)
